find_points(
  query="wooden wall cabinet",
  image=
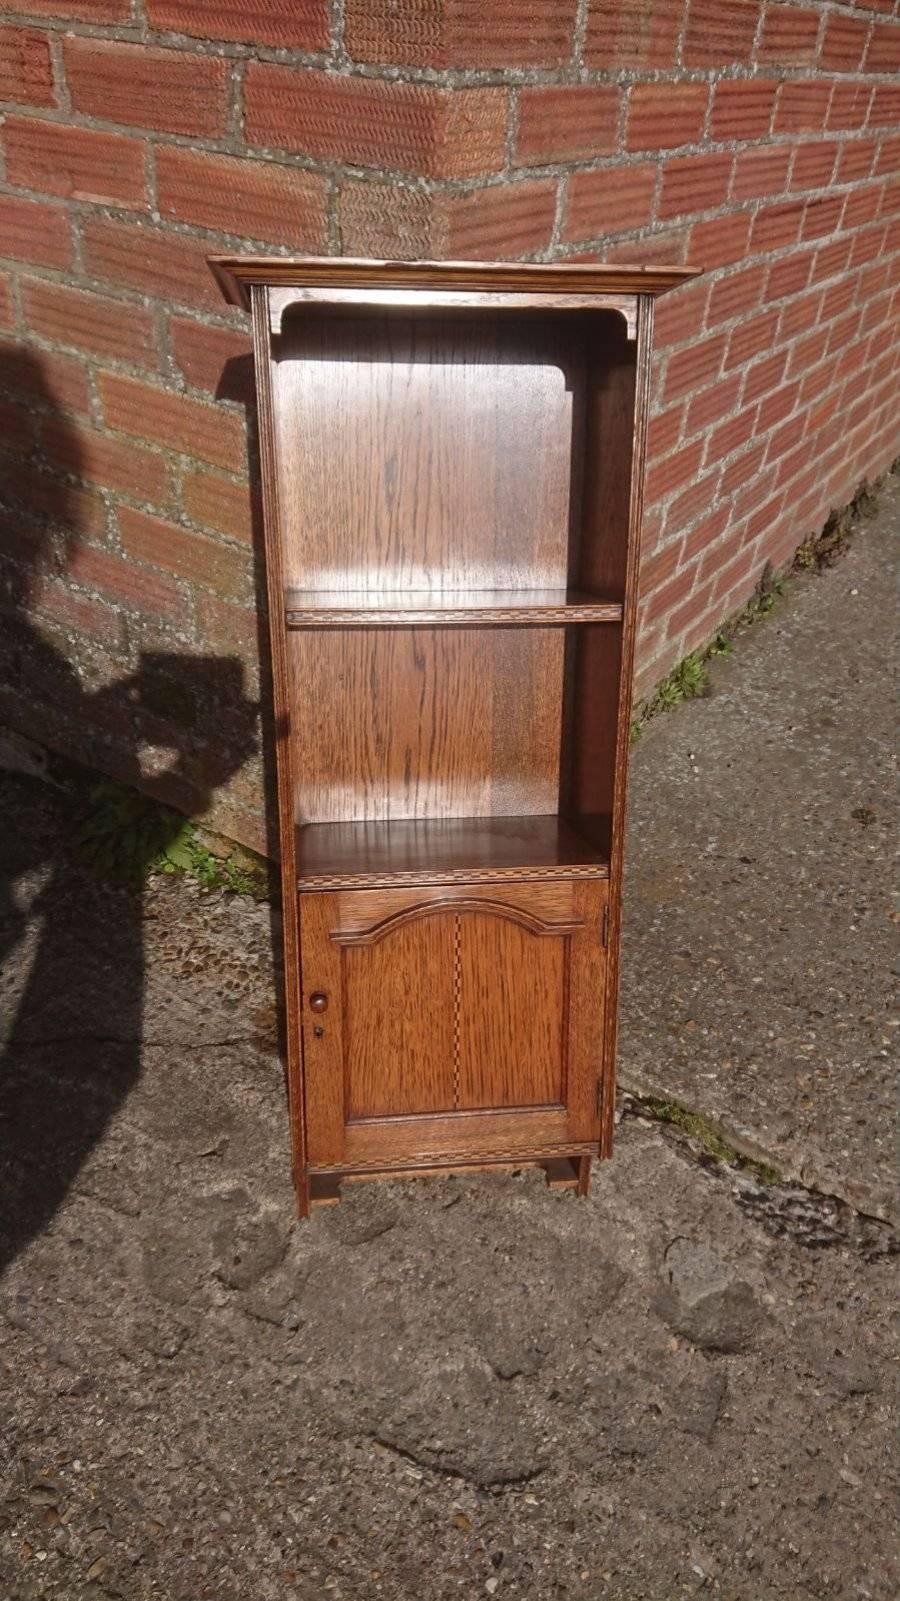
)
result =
(452, 458)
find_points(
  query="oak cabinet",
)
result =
(451, 462)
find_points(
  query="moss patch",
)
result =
(707, 1135)
(126, 836)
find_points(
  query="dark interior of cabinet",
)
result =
(472, 471)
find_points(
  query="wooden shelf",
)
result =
(307, 608)
(449, 850)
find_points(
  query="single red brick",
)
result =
(732, 579)
(662, 249)
(822, 217)
(94, 323)
(862, 206)
(499, 221)
(220, 623)
(434, 133)
(743, 468)
(721, 241)
(48, 380)
(170, 90)
(693, 183)
(129, 585)
(217, 502)
(705, 533)
(789, 276)
(883, 54)
(26, 70)
(814, 164)
(698, 364)
(75, 613)
(660, 567)
(719, 35)
(855, 160)
(867, 246)
(204, 353)
(802, 106)
(446, 34)
(885, 107)
(888, 157)
(742, 108)
(6, 305)
(302, 25)
(837, 298)
(184, 553)
(760, 172)
(88, 453)
(258, 199)
(74, 509)
(711, 404)
(789, 35)
(31, 231)
(730, 435)
(609, 199)
(808, 352)
(154, 261)
(191, 427)
(562, 123)
(664, 115)
(17, 427)
(640, 35)
(95, 11)
(764, 375)
(776, 226)
(849, 105)
(667, 596)
(844, 43)
(693, 621)
(663, 432)
(77, 163)
(799, 315)
(384, 220)
(680, 315)
(671, 473)
(735, 294)
(697, 498)
(832, 259)
(776, 407)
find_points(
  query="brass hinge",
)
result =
(604, 926)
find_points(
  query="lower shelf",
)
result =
(450, 849)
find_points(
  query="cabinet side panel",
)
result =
(283, 751)
(416, 723)
(623, 731)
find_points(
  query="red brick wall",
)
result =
(756, 140)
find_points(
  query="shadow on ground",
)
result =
(70, 1039)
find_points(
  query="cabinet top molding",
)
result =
(236, 274)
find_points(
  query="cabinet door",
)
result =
(452, 1022)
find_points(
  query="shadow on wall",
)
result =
(70, 1039)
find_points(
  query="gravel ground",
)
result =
(759, 937)
(468, 1387)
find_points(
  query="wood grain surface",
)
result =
(425, 723)
(236, 275)
(311, 608)
(434, 425)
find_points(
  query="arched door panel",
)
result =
(433, 1016)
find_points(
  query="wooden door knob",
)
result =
(318, 1001)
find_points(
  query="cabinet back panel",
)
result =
(426, 453)
(417, 722)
